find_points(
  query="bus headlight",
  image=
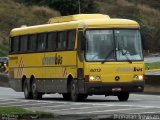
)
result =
(91, 77)
(95, 78)
(138, 77)
(98, 78)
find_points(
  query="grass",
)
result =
(22, 113)
(150, 66)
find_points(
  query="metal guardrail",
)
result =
(152, 70)
(152, 80)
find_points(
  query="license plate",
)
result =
(116, 89)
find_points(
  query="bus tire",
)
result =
(66, 96)
(83, 96)
(27, 91)
(123, 96)
(36, 95)
(74, 92)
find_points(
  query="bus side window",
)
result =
(42, 41)
(71, 39)
(51, 41)
(23, 43)
(62, 40)
(32, 46)
(15, 44)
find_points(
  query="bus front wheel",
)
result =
(36, 95)
(74, 92)
(27, 91)
(123, 96)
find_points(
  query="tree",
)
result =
(68, 7)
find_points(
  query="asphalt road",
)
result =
(151, 59)
(153, 73)
(95, 107)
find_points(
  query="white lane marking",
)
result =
(142, 113)
(25, 104)
(110, 110)
(72, 103)
(6, 100)
(114, 104)
(56, 106)
(81, 108)
(90, 106)
(146, 112)
(40, 101)
(12, 102)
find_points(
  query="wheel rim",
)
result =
(25, 90)
(73, 90)
(34, 89)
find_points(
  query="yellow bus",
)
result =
(77, 56)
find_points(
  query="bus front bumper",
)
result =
(111, 88)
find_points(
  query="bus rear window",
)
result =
(14, 45)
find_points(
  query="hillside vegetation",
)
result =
(147, 15)
(15, 13)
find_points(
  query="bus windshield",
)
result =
(113, 45)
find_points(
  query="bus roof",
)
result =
(74, 22)
(77, 17)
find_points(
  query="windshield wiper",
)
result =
(108, 55)
(124, 53)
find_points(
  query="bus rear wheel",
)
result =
(36, 95)
(27, 91)
(123, 96)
